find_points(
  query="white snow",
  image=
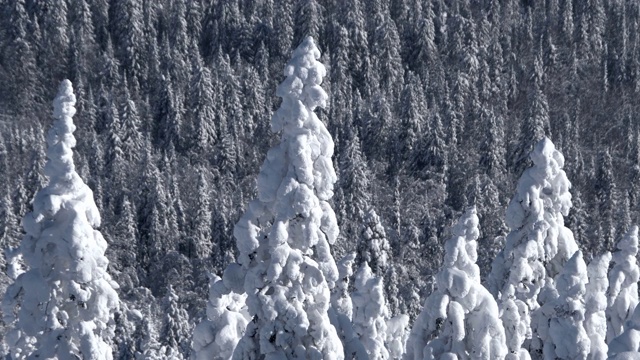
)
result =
(62, 305)
(596, 304)
(216, 336)
(536, 248)
(370, 313)
(623, 284)
(284, 236)
(460, 319)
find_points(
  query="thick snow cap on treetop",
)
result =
(310, 142)
(304, 74)
(60, 138)
(59, 168)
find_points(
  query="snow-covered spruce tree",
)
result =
(216, 336)
(623, 284)
(284, 236)
(397, 334)
(150, 348)
(176, 330)
(370, 312)
(595, 322)
(199, 244)
(341, 311)
(460, 318)
(340, 298)
(62, 306)
(626, 346)
(536, 248)
(566, 335)
(373, 246)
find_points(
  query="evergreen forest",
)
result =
(443, 115)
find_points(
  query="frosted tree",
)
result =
(566, 337)
(201, 111)
(460, 319)
(199, 243)
(626, 346)
(218, 334)
(397, 335)
(373, 247)
(623, 284)
(132, 141)
(606, 196)
(340, 297)
(370, 312)
(123, 249)
(341, 311)
(62, 306)
(175, 330)
(595, 322)
(536, 124)
(150, 349)
(536, 248)
(284, 236)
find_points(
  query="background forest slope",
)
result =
(434, 106)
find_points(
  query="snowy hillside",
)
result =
(394, 179)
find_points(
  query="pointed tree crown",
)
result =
(66, 277)
(284, 237)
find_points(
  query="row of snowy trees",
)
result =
(286, 297)
(539, 280)
(434, 106)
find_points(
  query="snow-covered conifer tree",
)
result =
(62, 306)
(132, 141)
(595, 322)
(397, 335)
(218, 334)
(370, 313)
(150, 348)
(176, 330)
(341, 311)
(626, 346)
(199, 243)
(340, 297)
(623, 284)
(374, 247)
(460, 318)
(536, 249)
(566, 336)
(284, 236)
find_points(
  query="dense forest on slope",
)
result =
(434, 106)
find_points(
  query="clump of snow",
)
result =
(370, 313)
(284, 237)
(596, 304)
(460, 319)
(62, 305)
(218, 334)
(565, 337)
(397, 336)
(626, 346)
(623, 284)
(340, 297)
